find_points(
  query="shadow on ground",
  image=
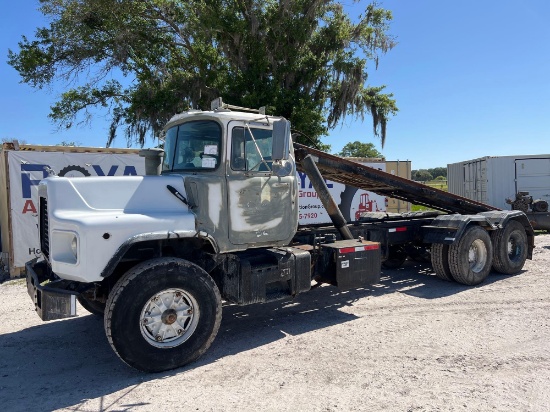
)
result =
(64, 363)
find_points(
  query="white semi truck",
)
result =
(216, 220)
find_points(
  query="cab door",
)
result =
(262, 206)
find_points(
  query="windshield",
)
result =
(193, 146)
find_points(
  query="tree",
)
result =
(422, 175)
(359, 149)
(438, 171)
(307, 59)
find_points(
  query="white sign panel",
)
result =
(351, 201)
(27, 169)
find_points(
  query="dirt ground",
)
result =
(411, 343)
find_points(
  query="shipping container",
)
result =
(493, 179)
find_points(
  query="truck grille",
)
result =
(44, 228)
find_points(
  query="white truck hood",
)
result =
(105, 212)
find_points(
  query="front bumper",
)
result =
(50, 301)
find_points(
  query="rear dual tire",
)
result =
(467, 261)
(470, 258)
(440, 261)
(510, 248)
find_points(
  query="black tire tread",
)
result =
(456, 255)
(127, 278)
(501, 262)
(440, 261)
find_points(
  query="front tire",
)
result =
(510, 248)
(471, 257)
(162, 314)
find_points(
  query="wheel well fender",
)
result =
(448, 229)
(501, 217)
(157, 244)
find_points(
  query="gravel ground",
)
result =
(411, 343)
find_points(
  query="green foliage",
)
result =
(306, 59)
(440, 178)
(422, 175)
(69, 144)
(435, 173)
(359, 149)
(438, 172)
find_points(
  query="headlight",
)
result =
(64, 246)
(74, 247)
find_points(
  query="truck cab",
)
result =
(239, 194)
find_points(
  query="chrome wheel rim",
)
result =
(169, 318)
(477, 255)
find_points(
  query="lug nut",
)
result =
(158, 338)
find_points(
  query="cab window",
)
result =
(251, 152)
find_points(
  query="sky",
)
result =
(471, 79)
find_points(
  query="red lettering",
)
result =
(29, 207)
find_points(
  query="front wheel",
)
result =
(471, 257)
(163, 314)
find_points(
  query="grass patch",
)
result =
(419, 208)
(438, 184)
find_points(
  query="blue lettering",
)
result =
(27, 182)
(302, 180)
(130, 171)
(100, 172)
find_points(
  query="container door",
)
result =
(533, 176)
(475, 180)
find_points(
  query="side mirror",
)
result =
(281, 140)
